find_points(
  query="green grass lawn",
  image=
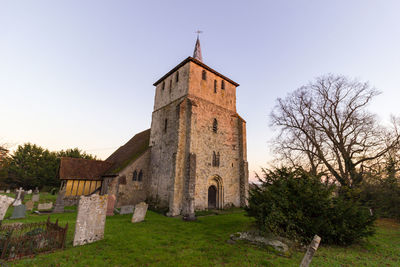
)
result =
(165, 241)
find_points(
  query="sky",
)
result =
(79, 73)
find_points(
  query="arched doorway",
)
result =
(212, 197)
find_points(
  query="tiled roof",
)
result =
(84, 169)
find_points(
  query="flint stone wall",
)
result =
(91, 219)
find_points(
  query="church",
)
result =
(193, 157)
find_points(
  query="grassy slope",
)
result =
(164, 241)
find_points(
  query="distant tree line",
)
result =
(31, 166)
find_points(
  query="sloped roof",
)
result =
(129, 152)
(83, 169)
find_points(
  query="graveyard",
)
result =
(170, 241)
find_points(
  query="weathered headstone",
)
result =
(29, 205)
(91, 219)
(18, 201)
(310, 251)
(29, 191)
(5, 202)
(8, 191)
(140, 212)
(35, 198)
(45, 206)
(59, 207)
(18, 212)
(36, 190)
(126, 209)
(110, 205)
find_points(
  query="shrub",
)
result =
(297, 205)
(383, 197)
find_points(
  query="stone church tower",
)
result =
(197, 140)
(192, 158)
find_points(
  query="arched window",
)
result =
(215, 86)
(163, 86)
(223, 85)
(140, 176)
(134, 178)
(218, 159)
(215, 126)
(204, 75)
(165, 125)
(177, 76)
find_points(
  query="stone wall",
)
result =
(131, 192)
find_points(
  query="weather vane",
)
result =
(198, 32)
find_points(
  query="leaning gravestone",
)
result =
(59, 207)
(5, 202)
(140, 212)
(29, 205)
(110, 205)
(35, 198)
(8, 191)
(91, 219)
(126, 209)
(45, 206)
(18, 212)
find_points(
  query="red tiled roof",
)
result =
(83, 169)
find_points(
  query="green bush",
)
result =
(383, 197)
(297, 205)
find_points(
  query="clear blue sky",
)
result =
(80, 73)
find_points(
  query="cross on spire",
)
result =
(197, 48)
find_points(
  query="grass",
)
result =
(165, 241)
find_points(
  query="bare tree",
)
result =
(326, 124)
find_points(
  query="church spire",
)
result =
(197, 49)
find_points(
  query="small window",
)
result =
(214, 159)
(165, 125)
(134, 178)
(215, 126)
(163, 86)
(218, 159)
(215, 86)
(223, 85)
(177, 77)
(204, 75)
(140, 176)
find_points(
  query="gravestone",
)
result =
(29, 205)
(5, 202)
(59, 207)
(110, 205)
(140, 212)
(18, 201)
(18, 212)
(8, 191)
(126, 209)
(35, 198)
(45, 206)
(310, 251)
(36, 190)
(91, 219)
(29, 191)
(22, 197)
